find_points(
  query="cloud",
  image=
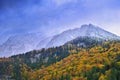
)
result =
(61, 2)
(26, 15)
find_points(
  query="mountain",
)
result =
(43, 43)
(100, 62)
(66, 62)
(94, 55)
(3, 38)
(20, 44)
(84, 42)
(37, 58)
(85, 30)
(30, 41)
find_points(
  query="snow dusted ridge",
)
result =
(85, 30)
(20, 44)
(27, 42)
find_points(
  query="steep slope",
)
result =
(84, 42)
(85, 30)
(3, 38)
(27, 42)
(43, 43)
(97, 63)
(35, 62)
(20, 44)
(44, 57)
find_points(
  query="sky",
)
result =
(54, 16)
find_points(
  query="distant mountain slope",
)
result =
(85, 30)
(20, 44)
(84, 42)
(3, 38)
(27, 42)
(43, 43)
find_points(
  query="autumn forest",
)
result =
(81, 59)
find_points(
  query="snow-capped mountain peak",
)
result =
(27, 42)
(85, 30)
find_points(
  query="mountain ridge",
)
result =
(84, 30)
(16, 45)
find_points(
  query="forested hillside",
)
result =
(81, 59)
(97, 63)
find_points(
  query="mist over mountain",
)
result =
(20, 43)
(19, 16)
(85, 30)
(26, 42)
(59, 40)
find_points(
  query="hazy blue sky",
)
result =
(53, 16)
